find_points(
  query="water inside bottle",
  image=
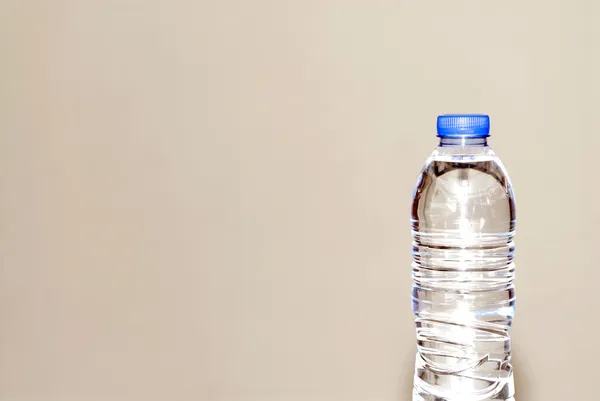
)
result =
(463, 218)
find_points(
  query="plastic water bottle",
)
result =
(463, 298)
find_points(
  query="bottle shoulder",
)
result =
(469, 155)
(466, 186)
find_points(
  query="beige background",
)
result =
(208, 200)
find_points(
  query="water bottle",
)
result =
(463, 298)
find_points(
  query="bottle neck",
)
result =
(463, 142)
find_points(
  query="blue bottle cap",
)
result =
(463, 126)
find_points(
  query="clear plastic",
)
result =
(463, 298)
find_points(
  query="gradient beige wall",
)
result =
(208, 200)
